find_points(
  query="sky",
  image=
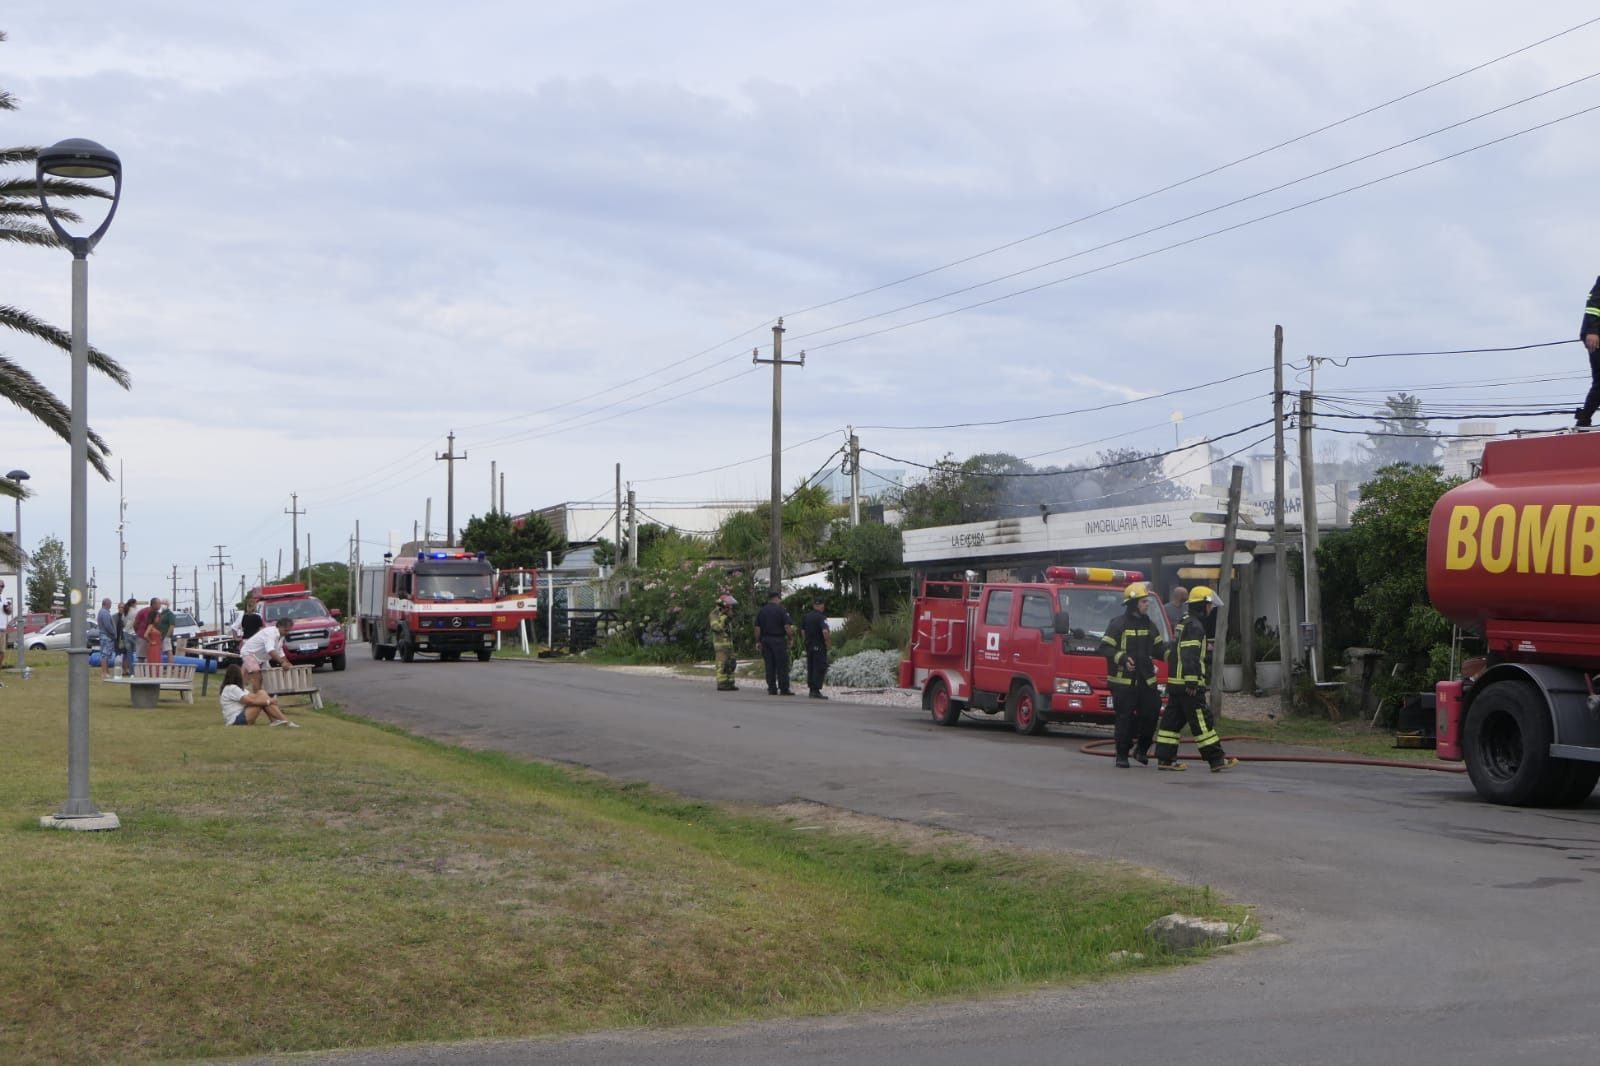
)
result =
(559, 231)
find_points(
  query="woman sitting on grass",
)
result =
(243, 708)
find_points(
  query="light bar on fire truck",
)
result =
(1099, 575)
(451, 555)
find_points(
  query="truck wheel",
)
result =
(484, 655)
(1578, 781)
(408, 650)
(1506, 744)
(936, 698)
(377, 649)
(337, 662)
(1024, 711)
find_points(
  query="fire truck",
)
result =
(443, 602)
(316, 637)
(1514, 557)
(1028, 650)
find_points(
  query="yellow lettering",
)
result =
(1461, 545)
(1542, 546)
(1586, 541)
(1498, 539)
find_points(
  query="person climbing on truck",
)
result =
(1131, 645)
(1186, 692)
(1589, 333)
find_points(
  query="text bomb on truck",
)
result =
(1028, 649)
(442, 602)
(1514, 556)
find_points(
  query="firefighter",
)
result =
(722, 642)
(1589, 333)
(1186, 692)
(1132, 645)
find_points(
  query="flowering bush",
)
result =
(669, 610)
(869, 669)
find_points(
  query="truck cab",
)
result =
(316, 637)
(1027, 650)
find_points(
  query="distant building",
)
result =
(587, 522)
(1464, 452)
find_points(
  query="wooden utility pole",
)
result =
(633, 531)
(1310, 532)
(1219, 644)
(618, 534)
(449, 459)
(775, 555)
(1280, 551)
(294, 532)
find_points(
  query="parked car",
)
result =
(184, 627)
(58, 635)
(36, 621)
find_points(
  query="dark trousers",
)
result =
(1591, 402)
(816, 667)
(775, 656)
(1137, 708)
(1191, 711)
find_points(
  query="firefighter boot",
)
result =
(1173, 765)
(1227, 762)
(1122, 762)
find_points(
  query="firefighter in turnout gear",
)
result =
(1132, 645)
(1589, 333)
(722, 642)
(1186, 692)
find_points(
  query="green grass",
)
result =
(1352, 738)
(347, 885)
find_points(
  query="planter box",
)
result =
(1269, 677)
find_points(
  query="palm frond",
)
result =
(23, 322)
(28, 394)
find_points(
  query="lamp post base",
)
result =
(91, 824)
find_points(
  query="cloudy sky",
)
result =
(558, 230)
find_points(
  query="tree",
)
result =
(513, 542)
(807, 515)
(47, 575)
(969, 491)
(1402, 435)
(330, 583)
(22, 221)
(865, 550)
(997, 485)
(1374, 577)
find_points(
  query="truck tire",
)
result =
(936, 699)
(408, 650)
(484, 655)
(1023, 710)
(337, 662)
(1578, 781)
(377, 649)
(1506, 744)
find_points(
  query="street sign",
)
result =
(1199, 573)
(1204, 545)
(1215, 558)
(1242, 535)
(1220, 518)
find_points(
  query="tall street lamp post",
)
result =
(78, 159)
(18, 477)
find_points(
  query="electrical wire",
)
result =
(742, 462)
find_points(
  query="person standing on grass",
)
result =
(5, 623)
(265, 649)
(106, 621)
(151, 630)
(127, 634)
(243, 708)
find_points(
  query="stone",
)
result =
(1182, 932)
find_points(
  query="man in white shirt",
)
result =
(265, 648)
(5, 625)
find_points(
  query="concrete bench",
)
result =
(291, 681)
(149, 680)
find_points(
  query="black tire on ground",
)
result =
(1023, 710)
(337, 662)
(936, 699)
(377, 649)
(1506, 744)
(1578, 779)
(484, 654)
(388, 653)
(407, 650)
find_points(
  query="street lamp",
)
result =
(18, 477)
(79, 159)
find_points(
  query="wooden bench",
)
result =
(291, 681)
(149, 680)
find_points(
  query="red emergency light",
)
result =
(1098, 575)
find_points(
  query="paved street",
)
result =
(1422, 924)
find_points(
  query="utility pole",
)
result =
(619, 516)
(449, 459)
(195, 592)
(122, 545)
(1310, 533)
(174, 601)
(1280, 551)
(1219, 644)
(220, 565)
(491, 484)
(855, 477)
(294, 535)
(502, 492)
(775, 578)
(633, 532)
(305, 579)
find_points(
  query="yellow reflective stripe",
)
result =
(1112, 679)
(1592, 311)
(1206, 739)
(1164, 737)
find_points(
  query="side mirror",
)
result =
(1063, 624)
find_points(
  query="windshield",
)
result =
(1091, 610)
(445, 587)
(305, 607)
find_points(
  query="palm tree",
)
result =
(21, 216)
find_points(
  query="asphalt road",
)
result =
(1423, 926)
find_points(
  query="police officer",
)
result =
(722, 642)
(1186, 691)
(774, 630)
(1131, 645)
(1589, 333)
(814, 627)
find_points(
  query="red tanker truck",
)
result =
(1514, 556)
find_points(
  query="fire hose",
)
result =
(1099, 748)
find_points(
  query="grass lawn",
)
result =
(346, 885)
(1349, 737)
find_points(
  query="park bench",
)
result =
(149, 680)
(291, 681)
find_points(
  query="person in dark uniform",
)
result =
(814, 627)
(774, 630)
(1188, 666)
(1589, 333)
(1131, 645)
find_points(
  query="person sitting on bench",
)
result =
(243, 708)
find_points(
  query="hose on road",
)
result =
(1100, 748)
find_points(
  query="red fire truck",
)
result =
(1514, 556)
(1029, 650)
(444, 602)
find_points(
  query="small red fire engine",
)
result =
(1030, 650)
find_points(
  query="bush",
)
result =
(869, 669)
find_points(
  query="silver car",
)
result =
(58, 635)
